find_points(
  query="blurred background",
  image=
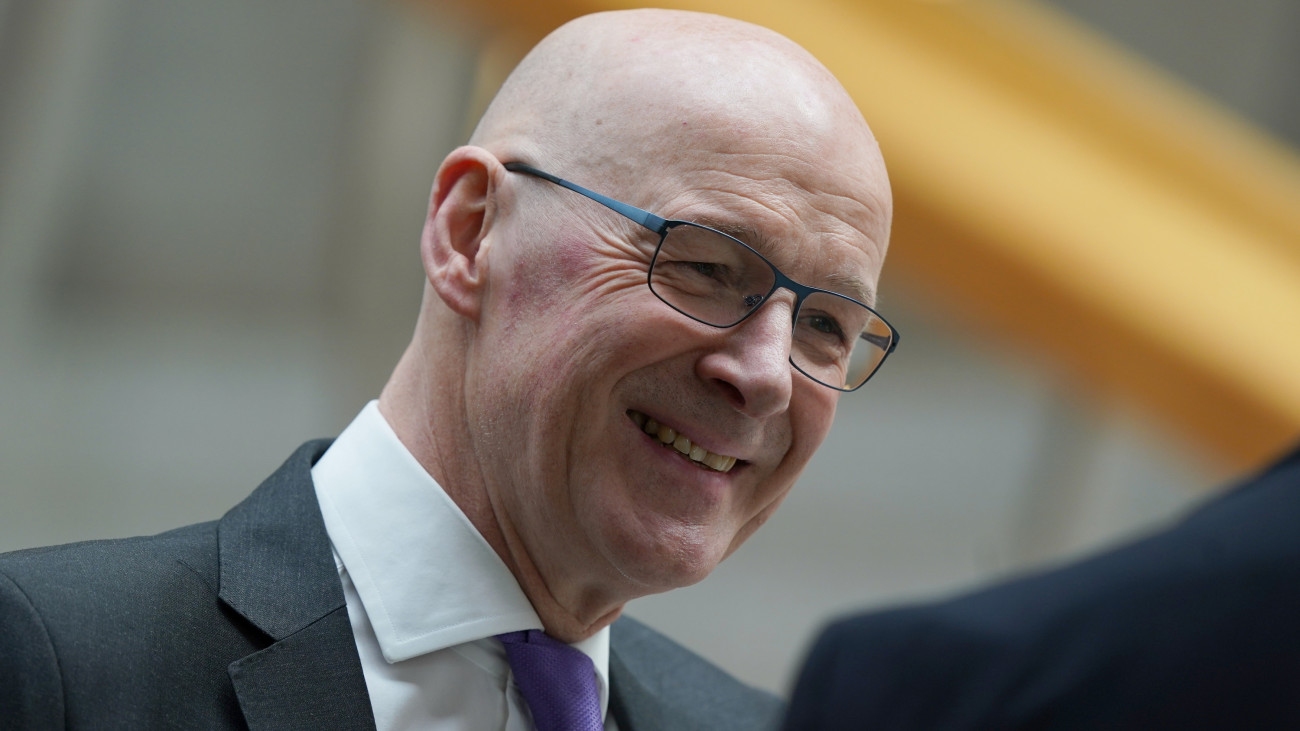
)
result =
(209, 216)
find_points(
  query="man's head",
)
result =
(541, 350)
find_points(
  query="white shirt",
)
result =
(425, 592)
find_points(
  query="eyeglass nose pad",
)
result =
(754, 300)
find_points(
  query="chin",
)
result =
(672, 559)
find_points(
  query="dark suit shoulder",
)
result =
(109, 562)
(113, 586)
(31, 689)
(657, 683)
(1191, 627)
(119, 619)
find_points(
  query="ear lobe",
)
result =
(453, 247)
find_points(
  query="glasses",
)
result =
(719, 280)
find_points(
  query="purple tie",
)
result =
(557, 681)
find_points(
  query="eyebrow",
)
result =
(845, 283)
(853, 286)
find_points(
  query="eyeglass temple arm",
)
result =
(884, 342)
(645, 218)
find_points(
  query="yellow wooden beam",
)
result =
(1060, 197)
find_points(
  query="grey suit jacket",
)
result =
(241, 623)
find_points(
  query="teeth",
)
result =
(719, 462)
(682, 444)
(669, 436)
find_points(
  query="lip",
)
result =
(676, 455)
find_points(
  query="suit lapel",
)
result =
(310, 679)
(277, 571)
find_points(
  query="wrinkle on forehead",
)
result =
(803, 189)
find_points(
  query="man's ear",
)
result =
(453, 247)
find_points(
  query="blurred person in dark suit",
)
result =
(609, 389)
(1194, 627)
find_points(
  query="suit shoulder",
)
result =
(115, 588)
(31, 690)
(657, 678)
(121, 563)
(85, 622)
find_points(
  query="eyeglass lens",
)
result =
(718, 280)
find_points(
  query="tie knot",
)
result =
(557, 681)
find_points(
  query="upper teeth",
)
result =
(682, 443)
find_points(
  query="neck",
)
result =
(571, 608)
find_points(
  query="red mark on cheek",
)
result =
(573, 253)
(549, 271)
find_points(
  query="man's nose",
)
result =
(751, 363)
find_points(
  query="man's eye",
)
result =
(825, 325)
(704, 268)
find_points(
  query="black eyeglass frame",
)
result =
(661, 226)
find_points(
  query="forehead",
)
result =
(820, 227)
(747, 134)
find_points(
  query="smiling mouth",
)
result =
(668, 437)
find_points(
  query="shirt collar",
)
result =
(426, 577)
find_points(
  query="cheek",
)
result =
(546, 275)
(564, 320)
(813, 413)
(574, 293)
(811, 417)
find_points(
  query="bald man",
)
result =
(649, 278)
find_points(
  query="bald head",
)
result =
(614, 94)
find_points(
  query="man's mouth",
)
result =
(682, 443)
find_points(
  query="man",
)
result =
(1192, 628)
(601, 400)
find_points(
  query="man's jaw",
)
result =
(682, 443)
